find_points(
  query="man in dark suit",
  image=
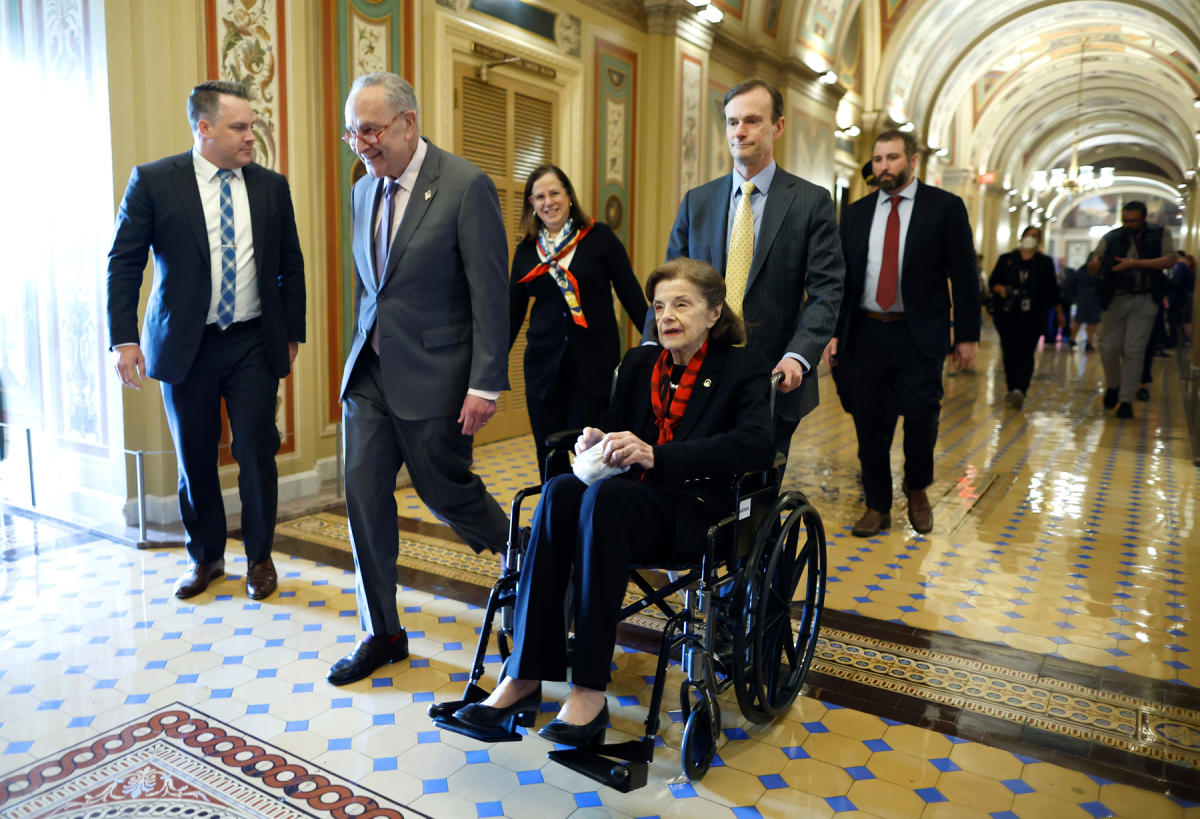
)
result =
(225, 320)
(430, 351)
(904, 244)
(784, 269)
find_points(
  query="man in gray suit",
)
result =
(788, 286)
(430, 351)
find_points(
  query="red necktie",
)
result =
(889, 269)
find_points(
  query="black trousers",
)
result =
(884, 375)
(597, 531)
(231, 365)
(1019, 335)
(571, 405)
(438, 457)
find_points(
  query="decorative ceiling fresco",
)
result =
(995, 85)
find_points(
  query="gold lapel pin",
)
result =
(708, 382)
(428, 195)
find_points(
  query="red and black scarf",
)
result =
(668, 408)
(562, 277)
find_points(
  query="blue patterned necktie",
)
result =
(228, 255)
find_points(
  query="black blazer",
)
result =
(794, 286)
(161, 211)
(600, 265)
(938, 248)
(1041, 287)
(726, 428)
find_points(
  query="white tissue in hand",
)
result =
(589, 466)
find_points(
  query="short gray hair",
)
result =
(400, 94)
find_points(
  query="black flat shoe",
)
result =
(579, 736)
(485, 716)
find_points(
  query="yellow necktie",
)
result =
(741, 250)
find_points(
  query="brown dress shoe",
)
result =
(871, 523)
(260, 579)
(920, 513)
(197, 578)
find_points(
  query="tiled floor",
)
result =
(1061, 533)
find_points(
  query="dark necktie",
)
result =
(228, 291)
(889, 269)
(383, 236)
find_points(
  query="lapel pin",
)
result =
(708, 382)
(428, 195)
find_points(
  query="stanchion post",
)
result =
(139, 460)
(29, 457)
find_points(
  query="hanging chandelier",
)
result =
(1076, 178)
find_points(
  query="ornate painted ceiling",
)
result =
(997, 82)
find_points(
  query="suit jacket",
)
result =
(600, 265)
(794, 287)
(439, 300)
(161, 211)
(938, 248)
(726, 428)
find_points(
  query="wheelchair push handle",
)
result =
(776, 380)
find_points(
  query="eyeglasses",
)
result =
(368, 133)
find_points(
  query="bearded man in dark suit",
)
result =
(910, 270)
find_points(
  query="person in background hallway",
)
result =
(774, 236)
(1087, 308)
(225, 320)
(1054, 328)
(909, 259)
(569, 265)
(1128, 263)
(429, 357)
(1024, 290)
(1178, 296)
(1068, 289)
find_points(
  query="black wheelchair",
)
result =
(762, 573)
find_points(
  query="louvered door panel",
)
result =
(506, 128)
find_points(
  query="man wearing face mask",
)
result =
(1129, 262)
(1023, 290)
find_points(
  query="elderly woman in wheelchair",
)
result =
(695, 407)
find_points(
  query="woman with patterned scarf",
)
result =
(569, 265)
(695, 407)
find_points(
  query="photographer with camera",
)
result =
(1023, 289)
(1129, 262)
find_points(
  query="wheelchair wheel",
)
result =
(782, 596)
(789, 607)
(700, 733)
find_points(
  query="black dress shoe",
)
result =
(1125, 410)
(368, 656)
(197, 578)
(1143, 394)
(261, 579)
(485, 716)
(579, 736)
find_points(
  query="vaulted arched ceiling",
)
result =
(999, 82)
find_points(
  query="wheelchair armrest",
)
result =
(563, 439)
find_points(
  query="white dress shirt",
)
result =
(246, 304)
(883, 208)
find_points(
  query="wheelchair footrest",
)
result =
(623, 766)
(505, 732)
(442, 714)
